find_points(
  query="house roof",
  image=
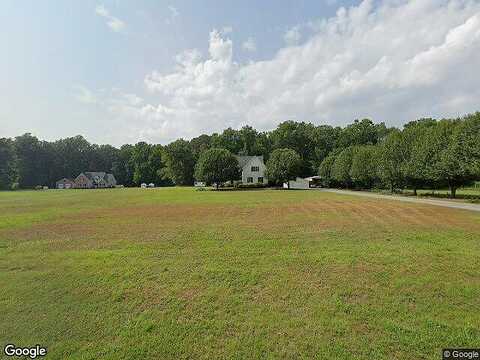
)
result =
(111, 178)
(65, 180)
(92, 175)
(244, 160)
(96, 176)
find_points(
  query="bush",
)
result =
(250, 186)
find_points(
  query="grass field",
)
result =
(174, 273)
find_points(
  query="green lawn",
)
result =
(468, 192)
(175, 273)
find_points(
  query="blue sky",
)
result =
(115, 71)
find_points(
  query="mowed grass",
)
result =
(174, 273)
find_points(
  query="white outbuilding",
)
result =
(298, 183)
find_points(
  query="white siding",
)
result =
(255, 162)
(299, 183)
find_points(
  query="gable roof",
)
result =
(244, 160)
(111, 179)
(64, 180)
(95, 177)
(92, 175)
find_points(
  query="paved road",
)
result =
(444, 203)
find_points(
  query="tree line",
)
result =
(363, 154)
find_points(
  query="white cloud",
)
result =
(84, 95)
(174, 13)
(249, 45)
(114, 23)
(292, 36)
(227, 30)
(395, 61)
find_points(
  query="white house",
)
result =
(253, 169)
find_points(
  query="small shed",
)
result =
(298, 183)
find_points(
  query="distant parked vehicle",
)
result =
(199, 184)
(143, 186)
(65, 184)
(151, 185)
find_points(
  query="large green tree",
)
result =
(179, 162)
(325, 139)
(362, 132)
(8, 164)
(216, 166)
(148, 165)
(102, 157)
(392, 154)
(414, 167)
(341, 167)
(123, 167)
(325, 170)
(469, 136)
(283, 165)
(73, 156)
(199, 144)
(452, 142)
(364, 169)
(36, 161)
(298, 136)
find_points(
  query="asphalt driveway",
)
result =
(444, 203)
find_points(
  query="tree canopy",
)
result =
(424, 153)
(217, 165)
(283, 165)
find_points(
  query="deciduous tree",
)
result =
(179, 162)
(364, 169)
(283, 165)
(341, 167)
(8, 164)
(217, 165)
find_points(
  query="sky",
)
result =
(122, 71)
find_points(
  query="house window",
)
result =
(249, 179)
(255, 169)
(260, 180)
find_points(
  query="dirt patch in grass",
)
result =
(49, 232)
(164, 222)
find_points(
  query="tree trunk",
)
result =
(391, 187)
(415, 190)
(453, 191)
